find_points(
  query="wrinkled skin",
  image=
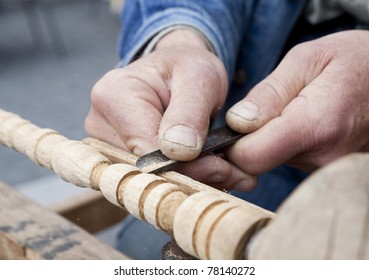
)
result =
(180, 85)
(314, 108)
(311, 110)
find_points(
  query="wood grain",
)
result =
(327, 217)
(29, 231)
(99, 166)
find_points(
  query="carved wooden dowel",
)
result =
(206, 223)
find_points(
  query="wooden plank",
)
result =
(327, 217)
(90, 211)
(29, 231)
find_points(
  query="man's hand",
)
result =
(166, 100)
(311, 110)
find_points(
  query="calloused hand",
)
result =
(166, 100)
(311, 110)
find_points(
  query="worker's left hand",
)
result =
(311, 110)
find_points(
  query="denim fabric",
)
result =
(245, 27)
(222, 22)
(247, 35)
(270, 27)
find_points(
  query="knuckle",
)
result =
(101, 88)
(209, 73)
(304, 52)
(313, 55)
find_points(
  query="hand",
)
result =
(311, 110)
(166, 99)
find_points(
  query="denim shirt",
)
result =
(247, 35)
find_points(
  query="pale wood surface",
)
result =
(29, 231)
(94, 166)
(185, 183)
(327, 217)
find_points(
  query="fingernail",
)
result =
(182, 135)
(246, 110)
(245, 184)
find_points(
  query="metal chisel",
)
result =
(218, 138)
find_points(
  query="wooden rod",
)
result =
(207, 223)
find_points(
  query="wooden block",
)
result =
(29, 231)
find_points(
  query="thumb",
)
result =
(267, 99)
(197, 89)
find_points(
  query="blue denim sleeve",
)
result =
(222, 22)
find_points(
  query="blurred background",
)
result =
(51, 54)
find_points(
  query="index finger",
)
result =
(127, 100)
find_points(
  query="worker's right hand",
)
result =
(166, 100)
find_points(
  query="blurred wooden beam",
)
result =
(91, 211)
(29, 231)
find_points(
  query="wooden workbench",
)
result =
(30, 231)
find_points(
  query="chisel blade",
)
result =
(218, 138)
